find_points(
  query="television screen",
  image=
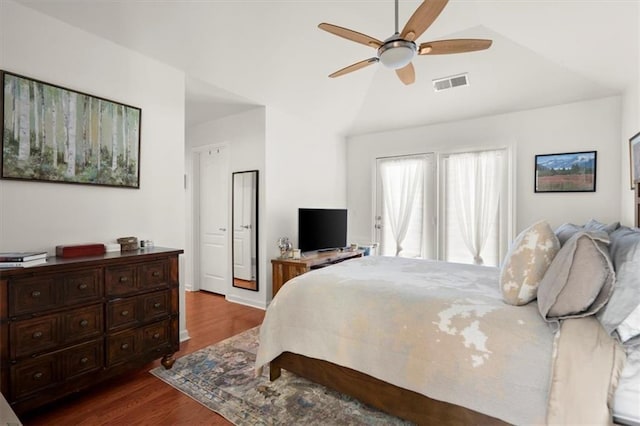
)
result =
(322, 229)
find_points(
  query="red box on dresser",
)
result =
(80, 250)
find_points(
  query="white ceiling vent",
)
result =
(440, 84)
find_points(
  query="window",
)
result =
(462, 219)
(474, 199)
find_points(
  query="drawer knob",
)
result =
(124, 279)
(124, 346)
(156, 305)
(35, 293)
(84, 323)
(84, 360)
(124, 313)
(83, 286)
(156, 336)
(37, 335)
(37, 376)
(155, 273)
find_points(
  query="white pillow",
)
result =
(630, 327)
(528, 259)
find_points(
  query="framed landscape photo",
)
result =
(566, 172)
(634, 159)
(54, 134)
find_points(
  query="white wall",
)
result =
(245, 135)
(305, 167)
(584, 126)
(39, 216)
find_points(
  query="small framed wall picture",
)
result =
(634, 159)
(566, 172)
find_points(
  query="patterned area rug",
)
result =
(222, 378)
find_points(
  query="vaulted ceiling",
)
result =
(239, 54)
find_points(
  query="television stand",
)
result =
(286, 269)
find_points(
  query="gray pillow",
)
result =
(566, 231)
(625, 254)
(580, 279)
(594, 225)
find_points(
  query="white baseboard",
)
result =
(246, 302)
(184, 336)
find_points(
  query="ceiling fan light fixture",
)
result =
(397, 54)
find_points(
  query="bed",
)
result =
(434, 342)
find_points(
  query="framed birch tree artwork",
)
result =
(55, 134)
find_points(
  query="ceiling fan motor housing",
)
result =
(396, 53)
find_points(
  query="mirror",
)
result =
(244, 218)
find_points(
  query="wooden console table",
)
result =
(286, 269)
(71, 323)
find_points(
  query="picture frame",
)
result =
(54, 134)
(566, 172)
(634, 159)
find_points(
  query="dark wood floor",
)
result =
(139, 398)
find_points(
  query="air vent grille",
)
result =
(440, 84)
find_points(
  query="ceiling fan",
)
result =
(398, 50)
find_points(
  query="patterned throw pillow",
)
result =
(528, 258)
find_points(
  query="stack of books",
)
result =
(21, 260)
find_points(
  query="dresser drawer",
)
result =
(154, 274)
(27, 295)
(122, 346)
(122, 313)
(32, 375)
(121, 280)
(34, 335)
(82, 323)
(82, 359)
(155, 305)
(82, 287)
(155, 335)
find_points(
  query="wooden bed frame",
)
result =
(391, 399)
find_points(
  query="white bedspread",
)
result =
(626, 407)
(436, 328)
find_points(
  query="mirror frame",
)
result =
(255, 230)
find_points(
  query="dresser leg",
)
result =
(167, 361)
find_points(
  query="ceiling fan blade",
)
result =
(354, 67)
(407, 74)
(445, 47)
(422, 18)
(351, 35)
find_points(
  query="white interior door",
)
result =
(242, 231)
(214, 191)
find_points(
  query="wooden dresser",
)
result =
(284, 269)
(71, 323)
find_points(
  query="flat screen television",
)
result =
(322, 229)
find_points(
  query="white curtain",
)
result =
(402, 180)
(476, 191)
